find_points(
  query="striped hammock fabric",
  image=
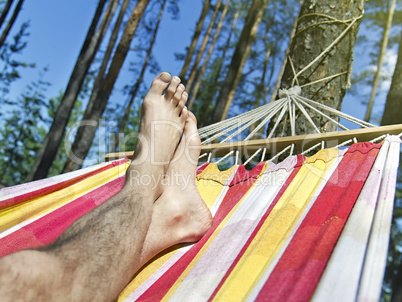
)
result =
(314, 228)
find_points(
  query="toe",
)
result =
(184, 114)
(171, 90)
(182, 101)
(191, 131)
(178, 94)
(160, 83)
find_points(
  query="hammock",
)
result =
(309, 228)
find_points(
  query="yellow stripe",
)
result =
(209, 184)
(145, 273)
(206, 245)
(48, 203)
(275, 229)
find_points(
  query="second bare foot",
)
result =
(179, 215)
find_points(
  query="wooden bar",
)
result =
(301, 142)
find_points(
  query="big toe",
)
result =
(160, 83)
(190, 129)
(193, 142)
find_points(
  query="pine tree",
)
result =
(11, 22)
(200, 73)
(384, 43)
(205, 8)
(95, 34)
(393, 107)
(86, 133)
(238, 61)
(203, 46)
(133, 93)
(207, 101)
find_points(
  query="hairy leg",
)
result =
(179, 215)
(97, 256)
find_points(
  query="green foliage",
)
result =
(23, 132)
(62, 153)
(9, 66)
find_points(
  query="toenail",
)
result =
(165, 77)
(176, 78)
(182, 86)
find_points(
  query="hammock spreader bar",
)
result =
(301, 142)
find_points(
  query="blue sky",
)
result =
(58, 29)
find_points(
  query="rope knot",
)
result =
(295, 90)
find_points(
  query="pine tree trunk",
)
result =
(239, 59)
(5, 11)
(321, 23)
(70, 163)
(201, 72)
(11, 22)
(86, 133)
(127, 110)
(383, 49)
(47, 153)
(285, 60)
(106, 58)
(393, 107)
(204, 43)
(197, 32)
(206, 110)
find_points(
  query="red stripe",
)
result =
(159, 289)
(300, 160)
(55, 187)
(49, 227)
(297, 273)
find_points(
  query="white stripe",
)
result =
(340, 279)
(376, 256)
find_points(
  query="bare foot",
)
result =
(163, 115)
(179, 215)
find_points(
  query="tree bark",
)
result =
(197, 32)
(285, 60)
(321, 23)
(48, 152)
(136, 87)
(11, 22)
(204, 43)
(393, 107)
(86, 133)
(239, 59)
(205, 113)
(5, 11)
(208, 56)
(383, 49)
(106, 58)
(70, 164)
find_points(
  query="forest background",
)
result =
(66, 61)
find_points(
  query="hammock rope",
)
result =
(290, 99)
